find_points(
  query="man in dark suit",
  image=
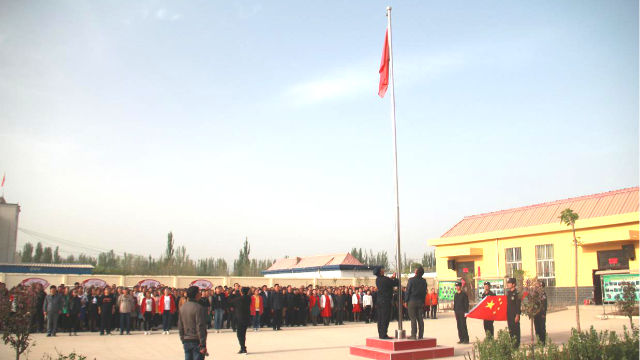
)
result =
(488, 324)
(339, 307)
(414, 298)
(385, 287)
(265, 319)
(242, 306)
(540, 319)
(276, 303)
(461, 307)
(513, 311)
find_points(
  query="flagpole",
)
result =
(400, 334)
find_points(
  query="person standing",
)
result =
(326, 303)
(167, 308)
(513, 312)
(540, 319)
(276, 304)
(265, 319)
(52, 308)
(37, 321)
(147, 309)
(314, 306)
(384, 297)
(242, 306)
(356, 301)
(75, 305)
(367, 303)
(433, 299)
(460, 308)
(93, 308)
(257, 308)
(219, 305)
(488, 324)
(192, 326)
(106, 308)
(126, 304)
(414, 297)
(339, 306)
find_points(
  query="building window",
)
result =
(514, 260)
(545, 267)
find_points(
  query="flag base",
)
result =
(401, 349)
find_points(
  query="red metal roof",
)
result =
(314, 261)
(589, 206)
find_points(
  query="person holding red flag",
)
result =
(488, 324)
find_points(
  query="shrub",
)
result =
(587, 345)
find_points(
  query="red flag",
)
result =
(384, 67)
(490, 308)
(3, 176)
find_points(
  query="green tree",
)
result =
(532, 303)
(429, 261)
(56, 256)
(168, 255)
(626, 301)
(47, 255)
(37, 256)
(569, 218)
(242, 265)
(27, 253)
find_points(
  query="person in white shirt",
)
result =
(367, 303)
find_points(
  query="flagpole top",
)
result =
(388, 8)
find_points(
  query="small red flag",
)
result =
(3, 176)
(384, 67)
(490, 308)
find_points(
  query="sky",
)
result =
(223, 120)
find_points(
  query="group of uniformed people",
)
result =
(514, 302)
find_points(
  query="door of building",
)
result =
(597, 288)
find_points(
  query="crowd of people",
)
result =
(70, 309)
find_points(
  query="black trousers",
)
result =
(277, 319)
(302, 317)
(367, 314)
(339, 316)
(384, 316)
(105, 323)
(461, 321)
(241, 333)
(488, 327)
(292, 315)
(148, 318)
(37, 321)
(265, 320)
(540, 324)
(434, 309)
(514, 329)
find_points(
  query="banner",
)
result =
(497, 286)
(150, 283)
(446, 290)
(31, 281)
(202, 284)
(612, 286)
(94, 283)
(490, 308)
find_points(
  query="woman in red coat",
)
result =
(326, 303)
(314, 306)
(256, 308)
(167, 306)
(147, 309)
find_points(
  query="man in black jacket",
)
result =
(265, 318)
(385, 287)
(276, 303)
(219, 305)
(192, 326)
(242, 306)
(513, 312)
(291, 306)
(461, 307)
(414, 297)
(540, 319)
(339, 307)
(488, 324)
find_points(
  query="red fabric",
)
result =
(326, 312)
(356, 307)
(433, 298)
(172, 306)
(143, 307)
(427, 300)
(384, 67)
(490, 308)
(253, 305)
(3, 176)
(313, 300)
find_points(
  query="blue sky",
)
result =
(121, 120)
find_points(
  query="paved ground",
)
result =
(309, 342)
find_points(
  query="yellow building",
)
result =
(532, 238)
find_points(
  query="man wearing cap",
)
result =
(513, 312)
(192, 326)
(488, 324)
(385, 287)
(540, 319)
(461, 307)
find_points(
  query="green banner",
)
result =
(446, 290)
(612, 286)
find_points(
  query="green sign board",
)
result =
(612, 286)
(446, 290)
(497, 286)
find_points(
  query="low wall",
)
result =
(12, 279)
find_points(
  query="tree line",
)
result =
(174, 261)
(381, 258)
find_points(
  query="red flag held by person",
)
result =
(490, 308)
(384, 67)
